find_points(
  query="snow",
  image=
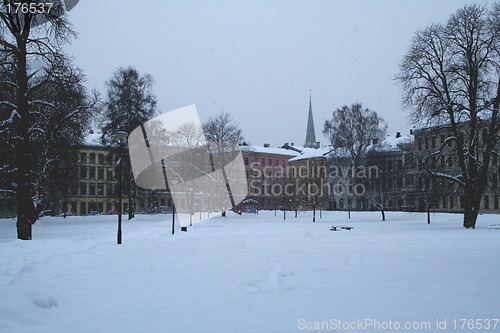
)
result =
(392, 143)
(308, 153)
(249, 273)
(269, 150)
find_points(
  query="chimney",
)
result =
(266, 145)
(292, 144)
(398, 134)
(411, 132)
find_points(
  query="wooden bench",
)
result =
(335, 228)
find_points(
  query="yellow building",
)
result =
(97, 186)
(308, 174)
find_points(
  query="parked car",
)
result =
(94, 213)
(112, 212)
(47, 212)
(67, 214)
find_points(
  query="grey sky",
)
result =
(258, 59)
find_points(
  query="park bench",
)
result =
(334, 228)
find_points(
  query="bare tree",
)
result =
(353, 128)
(450, 79)
(223, 135)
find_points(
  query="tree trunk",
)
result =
(383, 215)
(25, 206)
(471, 210)
(472, 197)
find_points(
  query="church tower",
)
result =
(310, 133)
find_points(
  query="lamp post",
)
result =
(191, 206)
(174, 181)
(121, 135)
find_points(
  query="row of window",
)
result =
(93, 158)
(97, 189)
(263, 161)
(92, 172)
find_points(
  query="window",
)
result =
(494, 158)
(283, 163)
(426, 143)
(399, 181)
(277, 163)
(100, 173)
(442, 162)
(100, 189)
(109, 159)
(91, 172)
(443, 202)
(270, 162)
(495, 202)
(92, 158)
(263, 161)
(101, 158)
(399, 164)
(494, 180)
(83, 172)
(245, 159)
(109, 173)
(92, 189)
(409, 180)
(83, 157)
(83, 208)
(433, 142)
(451, 202)
(486, 202)
(109, 191)
(419, 144)
(83, 189)
(389, 165)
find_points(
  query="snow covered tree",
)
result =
(129, 103)
(450, 80)
(30, 51)
(223, 135)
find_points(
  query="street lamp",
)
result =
(174, 181)
(191, 207)
(121, 135)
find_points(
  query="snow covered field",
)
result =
(250, 273)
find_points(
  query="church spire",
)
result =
(310, 133)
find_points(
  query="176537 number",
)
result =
(32, 8)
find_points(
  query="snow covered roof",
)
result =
(392, 143)
(269, 150)
(308, 153)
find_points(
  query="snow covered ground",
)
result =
(250, 273)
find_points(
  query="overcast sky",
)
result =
(258, 60)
